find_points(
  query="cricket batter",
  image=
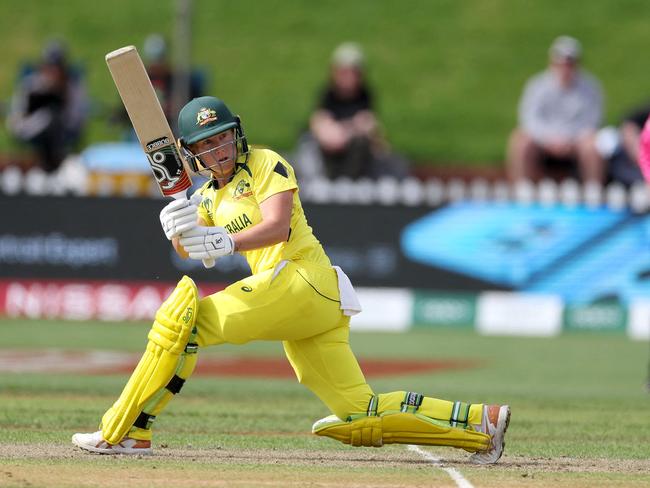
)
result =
(251, 206)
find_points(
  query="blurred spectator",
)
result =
(49, 107)
(163, 77)
(644, 153)
(155, 55)
(619, 146)
(345, 138)
(559, 113)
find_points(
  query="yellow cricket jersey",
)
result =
(236, 207)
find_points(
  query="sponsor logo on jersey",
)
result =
(242, 190)
(205, 116)
(238, 224)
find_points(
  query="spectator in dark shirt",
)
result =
(155, 55)
(620, 146)
(345, 136)
(164, 78)
(49, 108)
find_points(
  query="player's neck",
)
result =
(219, 183)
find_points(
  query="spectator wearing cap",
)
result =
(165, 79)
(159, 69)
(49, 108)
(345, 136)
(559, 113)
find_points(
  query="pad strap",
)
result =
(459, 415)
(372, 406)
(175, 384)
(144, 421)
(412, 402)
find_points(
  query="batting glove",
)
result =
(178, 216)
(207, 242)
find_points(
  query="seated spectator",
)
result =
(644, 154)
(49, 108)
(559, 113)
(345, 138)
(164, 78)
(155, 56)
(619, 146)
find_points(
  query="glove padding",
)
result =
(178, 217)
(207, 242)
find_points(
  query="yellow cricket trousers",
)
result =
(300, 307)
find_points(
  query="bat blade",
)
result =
(148, 119)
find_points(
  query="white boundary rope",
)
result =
(453, 473)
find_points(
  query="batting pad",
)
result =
(400, 428)
(168, 360)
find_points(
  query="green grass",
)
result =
(448, 74)
(577, 401)
(579, 396)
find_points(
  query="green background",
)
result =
(448, 74)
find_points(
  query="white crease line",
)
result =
(453, 473)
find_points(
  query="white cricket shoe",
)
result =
(495, 423)
(94, 442)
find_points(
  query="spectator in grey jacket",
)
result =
(559, 113)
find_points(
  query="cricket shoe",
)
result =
(495, 423)
(94, 442)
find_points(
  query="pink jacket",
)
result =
(644, 151)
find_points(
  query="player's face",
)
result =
(218, 153)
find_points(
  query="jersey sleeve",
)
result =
(204, 210)
(274, 175)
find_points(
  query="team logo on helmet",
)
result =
(205, 116)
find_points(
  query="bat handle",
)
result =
(209, 262)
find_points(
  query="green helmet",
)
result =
(204, 117)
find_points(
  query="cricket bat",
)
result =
(149, 122)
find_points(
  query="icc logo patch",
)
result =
(242, 190)
(206, 203)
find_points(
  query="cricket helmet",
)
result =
(205, 117)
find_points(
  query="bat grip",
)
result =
(208, 263)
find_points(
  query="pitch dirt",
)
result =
(110, 362)
(394, 466)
